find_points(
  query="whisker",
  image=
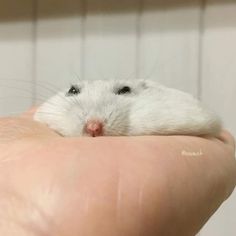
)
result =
(52, 114)
(77, 76)
(32, 83)
(53, 105)
(26, 90)
(111, 113)
(14, 113)
(76, 102)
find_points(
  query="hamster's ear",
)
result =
(145, 84)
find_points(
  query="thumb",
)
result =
(23, 126)
(30, 113)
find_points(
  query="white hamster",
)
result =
(126, 107)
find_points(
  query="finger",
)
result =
(30, 113)
(16, 128)
(227, 138)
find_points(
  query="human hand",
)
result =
(153, 185)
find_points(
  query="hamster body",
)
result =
(126, 108)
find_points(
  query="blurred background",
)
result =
(46, 45)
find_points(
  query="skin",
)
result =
(109, 186)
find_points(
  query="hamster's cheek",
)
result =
(117, 124)
(65, 124)
(71, 127)
(68, 131)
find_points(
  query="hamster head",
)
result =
(92, 108)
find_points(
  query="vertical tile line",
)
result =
(83, 38)
(34, 50)
(138, 38)
(200, 52)
(200, 47)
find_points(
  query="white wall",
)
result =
(187, 44)
(218, 89)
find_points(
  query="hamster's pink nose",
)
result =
(94, 128)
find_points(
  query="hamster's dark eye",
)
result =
(73, 91)
(124, 90)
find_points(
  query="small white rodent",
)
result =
(126, 107)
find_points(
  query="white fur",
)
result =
(151, 108)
